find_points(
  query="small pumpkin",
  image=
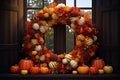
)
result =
(24, 72)
(25, 64)
(14, 69)
(108, 69)
(93, 70)
(74, 72)
(78, 43)
(42, 58)
(83, 69)
(34, 70)
(53, 64)
(44, 70)
(99, 63)
(64, 61)
(73, 64)
(100, 71)
(68, 57)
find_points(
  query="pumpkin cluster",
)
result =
(34, 45)
(26, 66)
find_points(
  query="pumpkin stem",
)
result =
(97, 58)
(26, 58)
(83, 64)
(107, 64)
(35, 65)
(15, 64)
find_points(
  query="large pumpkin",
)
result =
(99, 63)
(34, 70)
(14, 69)
(25, 64)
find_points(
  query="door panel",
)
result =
(12, 27)
(9, 30)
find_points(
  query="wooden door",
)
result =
(106, 16)
(11, 31)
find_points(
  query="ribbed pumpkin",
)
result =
(93, 70)
(34, 70)
(99, 63)
(53, 64)
(25, 64)
(14, 69)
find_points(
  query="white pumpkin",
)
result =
(81, 21)
(60, 5)
(64, 61)
(42, 58)
(42, 29)
(53, 64)
(49, 28)
(72, 25)
(54, 16)
(95, 38)
(46, 27)
(73, 64)
(38, 47)
(35, 26)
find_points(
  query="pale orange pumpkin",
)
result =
(83, 69)
(99, 63)
(14, 69)
(25, 64)
(44, 70)
(108, 69)
(34, 70)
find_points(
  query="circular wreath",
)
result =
(43, 21)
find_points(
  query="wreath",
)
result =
(45, 19)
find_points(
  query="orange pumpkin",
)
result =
(99, 63)
(93, 70)
(14, 69)
(25, 64)
(34, 70)
(83, 69)
(52, 5)
(44, 70)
